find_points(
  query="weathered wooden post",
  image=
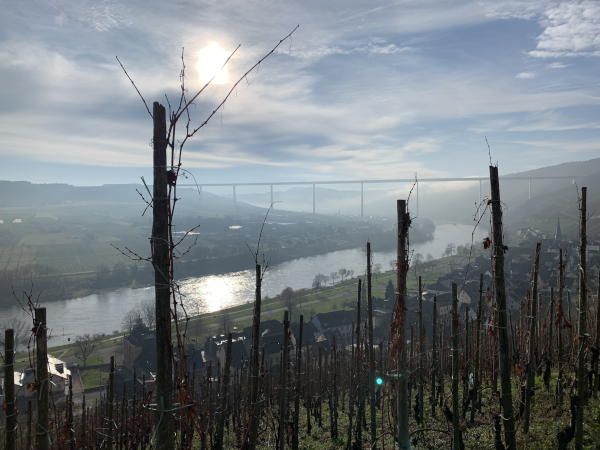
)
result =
(582, 334)
(295, 440)
(162, 284)
(532, 343)
(498, 266)
(111, 401)
(70, 415)
(597, 344)
(478, 353)
(224, 388)
(421, 349)
(254, 361)
(284, 377)
(433, 354)
(550, 342)
(559, 322)
(397, 328)
(9, 389)
(42, 438)
(455, 363)
(370, 354)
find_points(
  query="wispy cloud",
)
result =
(525, 75)
(509, 9)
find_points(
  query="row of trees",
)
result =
(321, 279)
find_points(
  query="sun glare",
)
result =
(210, 61)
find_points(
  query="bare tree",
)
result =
(392, 264)
(147, 312)
(343, 273)
(131, 319)
(86, 345)
(417, 259)
(319, 281)
(450, 248)
(377, 270)
(350, 274)
(334, 276)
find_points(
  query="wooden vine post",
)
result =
(284, 386)
(223, 394)
(498, 270)
(421, 349)
(559, 327)
(162, 285)
(41, 343)
(597, 344)
(433, 354)
(295, 441)
(582, 334)
(478, 353)
(371, 355)
(398, 328)
(532, 342)
(254, 370)
(111, 403)
(456, 440)
(9, 390)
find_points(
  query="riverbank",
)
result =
(77, 285)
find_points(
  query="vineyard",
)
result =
(491, 376)
(428, 385)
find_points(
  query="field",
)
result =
(66, 239)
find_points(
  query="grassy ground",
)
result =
(547, 420)
(92, 378)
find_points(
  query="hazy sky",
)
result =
(364, 90)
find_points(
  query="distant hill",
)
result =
(543, 210)
(24, 193)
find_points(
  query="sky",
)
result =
(362, 90)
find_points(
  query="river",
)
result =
(102, 313)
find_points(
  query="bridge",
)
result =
(388, 181)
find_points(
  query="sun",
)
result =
(210, 61)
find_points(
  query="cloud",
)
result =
(524, 10)
(572, 29)
(370, 92)
(551, 126)
(572, 147)
(557, 65)
(525, 75)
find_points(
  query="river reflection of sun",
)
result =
(214, 292)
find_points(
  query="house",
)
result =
(139, 350)
(331, 323)
(238, 353)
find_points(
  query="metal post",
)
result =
(314, 203)
(362, 201)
